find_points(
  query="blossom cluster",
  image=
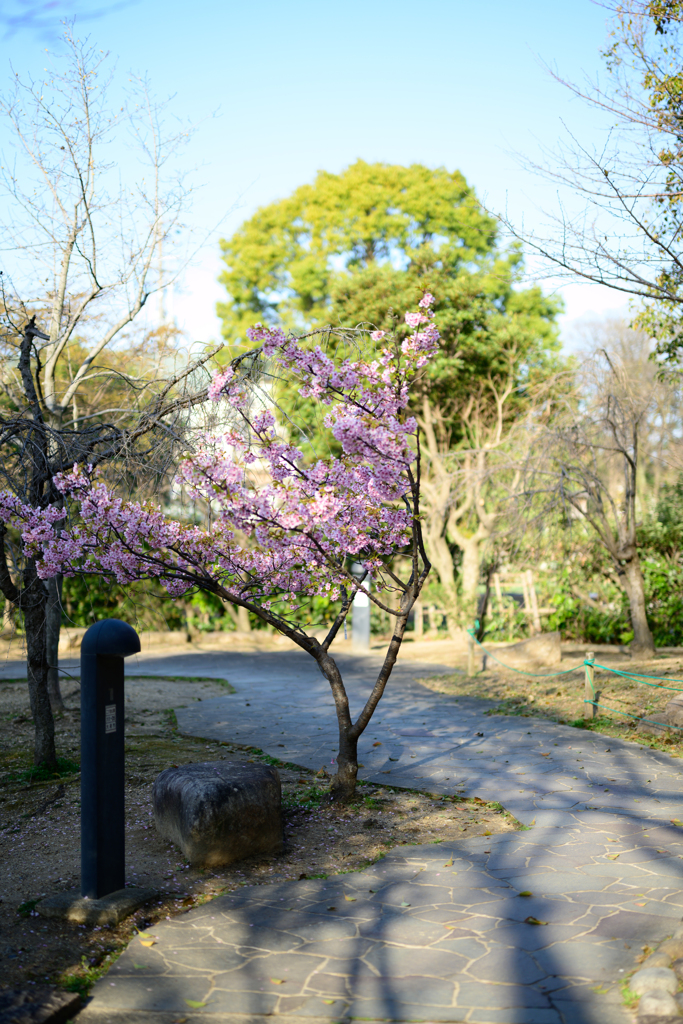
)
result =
(278, 527)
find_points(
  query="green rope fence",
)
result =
(589, 665)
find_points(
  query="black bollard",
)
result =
(104, 647)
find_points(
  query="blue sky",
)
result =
(282, 89)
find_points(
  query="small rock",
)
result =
(678, 934)
(657, 1003)
(40, 1005)
(658, 959)
(219, 812)
(655, 725)
(674, 711)
(677, 966)
(674, 948)
(679, 1000)
(648, 979)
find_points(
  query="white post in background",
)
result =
(360, 618)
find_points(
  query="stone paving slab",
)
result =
(417, 939)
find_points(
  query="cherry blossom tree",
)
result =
(280, 527)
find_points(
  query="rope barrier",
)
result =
(589, 664)
(521, 672)
(627, 714)
(566, 671)
(638, 675)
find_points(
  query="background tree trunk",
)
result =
(635, 591)
(34, 604)
(53, 622)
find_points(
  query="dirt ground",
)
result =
(561, 699)
(39, 830)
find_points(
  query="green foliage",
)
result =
(367, 243)
(86, 599)
(44, 773)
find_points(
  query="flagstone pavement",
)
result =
(438, 932)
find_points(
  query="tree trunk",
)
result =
(643, 642)
(53, 622)
(243, 623)
(471, 564)
(34, 609)
(442, 562)
(343, 784)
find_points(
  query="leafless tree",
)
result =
(467, 488)
(626, 230)
(586, 462)
(92, 200)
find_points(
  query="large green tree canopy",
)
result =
(365, 244)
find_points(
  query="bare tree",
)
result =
(627, 231)
(92, 199)
(466, 487)
(585, 463)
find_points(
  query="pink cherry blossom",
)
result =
(278, 527)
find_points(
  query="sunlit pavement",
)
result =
(416, 937)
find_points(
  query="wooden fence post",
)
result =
(589, 710)
(534, 601)
(470, 656)
(499, 592)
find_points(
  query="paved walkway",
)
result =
(436, 932)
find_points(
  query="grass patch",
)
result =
(43, 773)
(26, 909)
(82, 978)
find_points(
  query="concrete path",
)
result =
(437, 932)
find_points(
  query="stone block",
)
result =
(543, 649)
(677, 966)
(110, 909)
(219, 812)
(649, 979)
(658, 1003)
(674, 711)
(673, 947)
(40, 1005)
(656, 725)
(658, 959)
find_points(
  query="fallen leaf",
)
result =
(146, 942)
(393, 759)
(329, 1002)
(449, 863)
(450, 926)
(378, 743)
(487, 833)
(331, 908)
(675, 821)
(140, 967)
(641, 904)
(278, 981)
(361, 765)
(611, 856)
(526, 892)
(533, 920)
(544, 755)
(194, 1004)
(404, 904)
(181, 1020)
(351, 899)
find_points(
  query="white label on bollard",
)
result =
(361, 600)
(110, 718)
